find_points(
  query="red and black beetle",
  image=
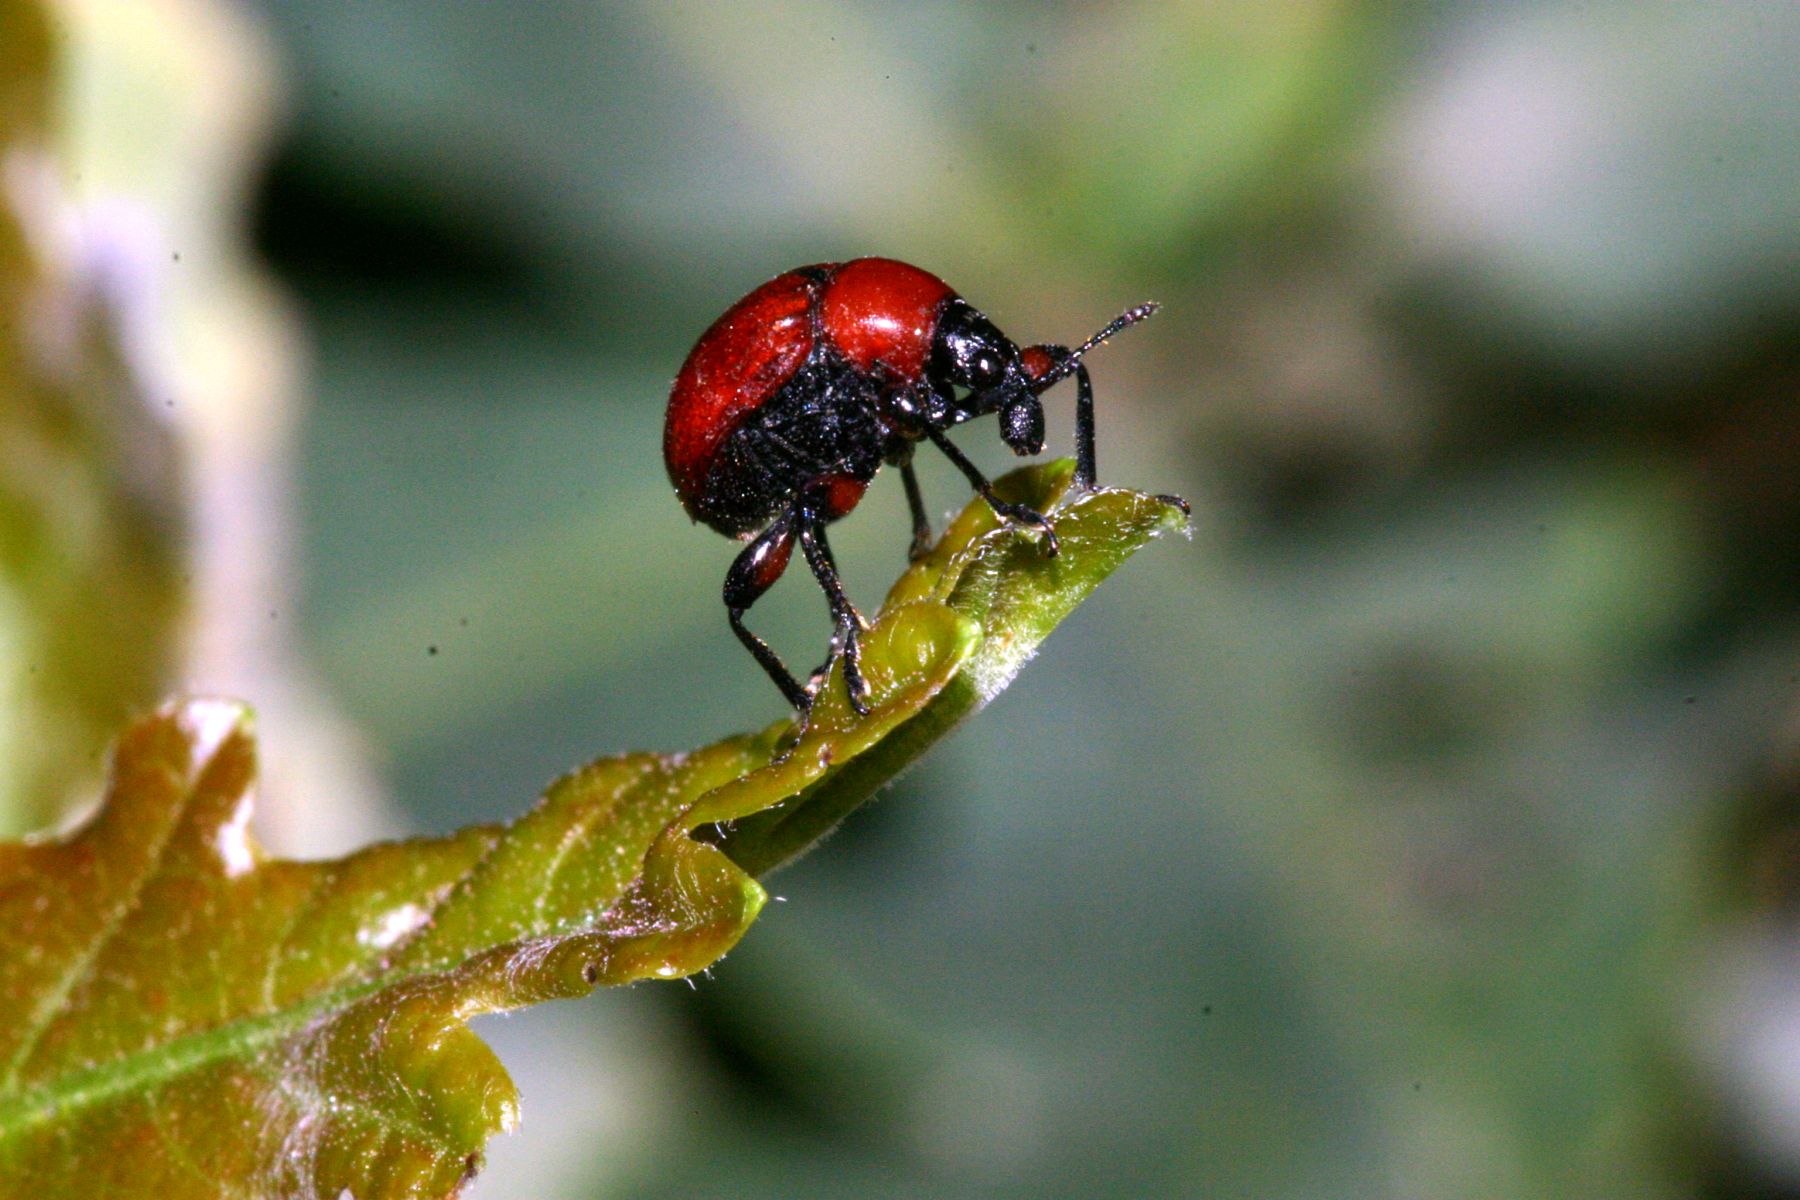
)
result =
(790, 403)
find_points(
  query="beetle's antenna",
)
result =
(1066, 366)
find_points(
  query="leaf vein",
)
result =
(81, 967)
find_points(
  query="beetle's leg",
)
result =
(1084, 424)
(752, 573)
(849, 621)
(1084, 428)
(1058, 356)
(1021, 513)
(921, 538)
(1084, 412)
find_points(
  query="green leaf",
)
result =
(181, 1016)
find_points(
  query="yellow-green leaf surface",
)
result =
(91, 518)
(180, 1016)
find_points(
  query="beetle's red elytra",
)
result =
(791, 402)
(747, 356)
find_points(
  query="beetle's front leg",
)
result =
(1022, 514)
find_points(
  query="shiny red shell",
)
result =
(737, 364)
(881, 315)
(878, 314)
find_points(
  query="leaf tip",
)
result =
(1176, 517)
(205, 722)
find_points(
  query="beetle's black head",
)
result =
(967, 351)
(970, 353)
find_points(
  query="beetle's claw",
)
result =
(856, 688)
(1031, 518)
(797, 730)
(854, 683)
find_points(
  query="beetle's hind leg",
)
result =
(752, 573)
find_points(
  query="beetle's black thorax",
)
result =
(824, 421)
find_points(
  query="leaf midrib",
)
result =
(81, 965)
(159, 1064)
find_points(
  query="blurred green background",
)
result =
(1427, 826)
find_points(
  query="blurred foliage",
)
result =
(159, 971)
(147, 400)
(91, 519)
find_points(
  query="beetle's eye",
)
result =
(985, 370)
